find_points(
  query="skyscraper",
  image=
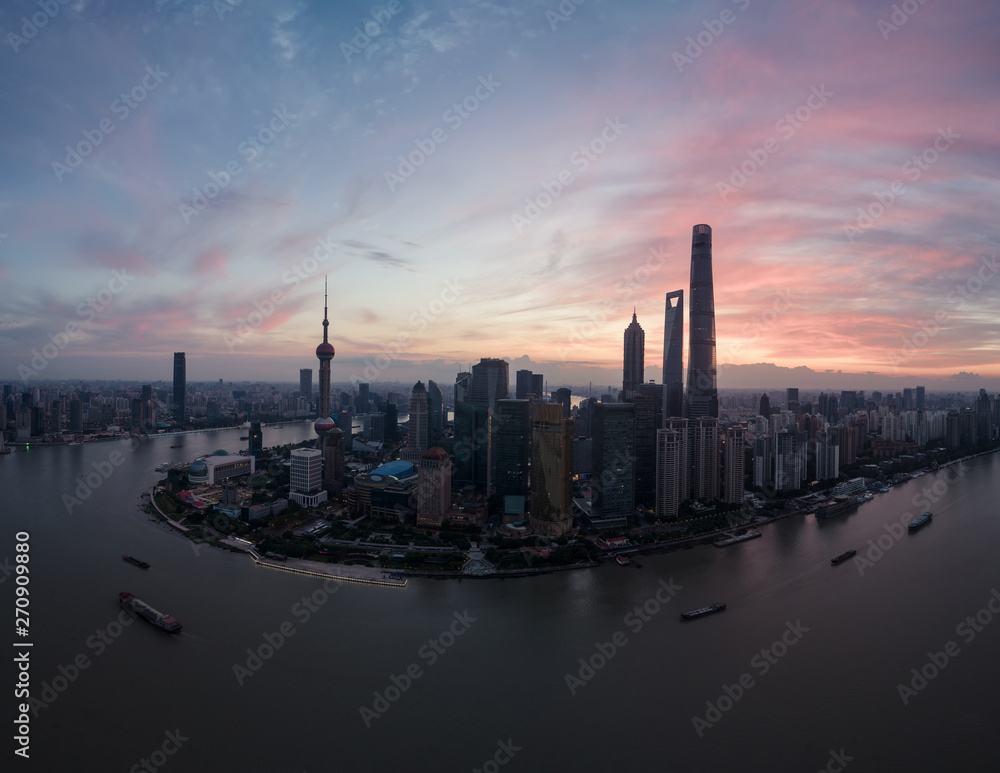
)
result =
(671, 471)
(489, 382)
(705, 459)
(180, 386)
(792, 399)
(733, 464)
(644, 446)
(551, 470)
(613, 461)
(634, 367)
(435, 415)
(324, 352)
(433, 487)
(306, 384)
(362, 405)
(702, 387)
(511, 448)
(255, 440)
(564, 396)
(765, 406)
(418, 420)
(673, 346)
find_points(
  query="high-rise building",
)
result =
(75, 416)
(671, 471)
(306, 477)
(551, 470)
(634, 364)
(471, 437)
(702, 386)
(489, 382)
(683, 427)
(920, 399)
(705, 459)
(528, 383)
(827, 454)
(763, 460)
(306, 384)
(733, 464)
(333, 462)
(435, 415)
(644, 447)
(511, 448)
(765, 406)
(673, 346)
(463, 387)
(418, 421)
(433, 487)
(612, 466)
(564, 396)
(135, 411)
(788, 471)
(180, 386)
(255, 440)
(362, 405)
(792, 399)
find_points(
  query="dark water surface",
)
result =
(851, 635)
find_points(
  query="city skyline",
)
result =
(789, 171)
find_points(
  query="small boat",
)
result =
(622, 560)
(177, 446)
(843, 557)
(703, 611)
(923, 520)
(136, 561)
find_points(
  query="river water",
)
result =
(481, 670)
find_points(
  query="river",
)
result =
(800, 672)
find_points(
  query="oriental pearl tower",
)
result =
(325, 352)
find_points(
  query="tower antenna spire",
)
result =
(326, 322)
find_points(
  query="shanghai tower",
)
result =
(702, 389)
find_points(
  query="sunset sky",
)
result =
(246, 149)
